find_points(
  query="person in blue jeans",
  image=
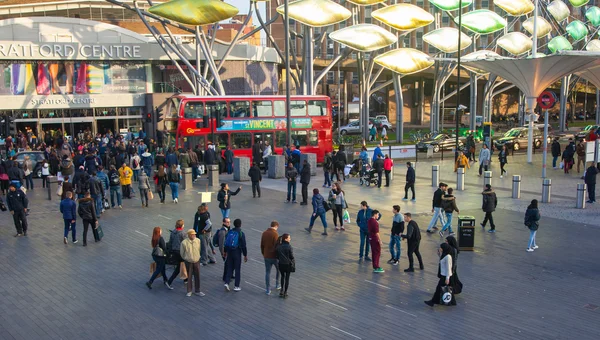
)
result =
(291, 174)
(115, 187)
(449, 206)
(397, 230)
(68, 208)
(364, 214)
(224, 197)
(233, 254)
(318, 210)
(174, 179)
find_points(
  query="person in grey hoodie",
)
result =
(318, 210)
(144, 186)
(484, 159)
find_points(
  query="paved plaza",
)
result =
(54, 291)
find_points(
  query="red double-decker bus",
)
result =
(242, 121)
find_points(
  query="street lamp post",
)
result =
(458, 78)
(286, 34)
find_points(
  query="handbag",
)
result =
(446, 296)
(157, 251)
(59, 191)
(153, 269)
(326, 206)
(293, 266)
(183, 274)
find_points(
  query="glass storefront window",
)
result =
(51, 113)
(241, 140)
(239, 109)
(80, 113)
(105, 111)
(193, 110)
(135, 111)
(24, 114)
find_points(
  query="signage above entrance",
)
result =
(71, 51)
(72, 101)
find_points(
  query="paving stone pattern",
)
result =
(54, 291)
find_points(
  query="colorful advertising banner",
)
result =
(263, 124)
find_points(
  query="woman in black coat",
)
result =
(454, 281)
(532, 218)
(502, 159)
(287, 263)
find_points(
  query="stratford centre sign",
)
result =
(12, 50)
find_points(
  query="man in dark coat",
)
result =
(305, 181)
(255, 178)
(228, 154)
(413, 241)
(340, 164)
(490, 201)
(17, 203)
(555, 148)
(257, 152)
(378, 166)
(210, 155)
(410, 181)
(590, 181)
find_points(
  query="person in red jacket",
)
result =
(375, 240)
(387, 167)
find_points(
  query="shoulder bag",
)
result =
(157, 251)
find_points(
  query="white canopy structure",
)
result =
(532, 76)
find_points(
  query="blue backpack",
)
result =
(232, 240)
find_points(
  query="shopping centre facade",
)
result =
(75, 74)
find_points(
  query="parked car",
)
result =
(585, 133)
(517, 138)
(353, 128)
(384, 122)
(441, 141)
(36, 158)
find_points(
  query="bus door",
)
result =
(261, 138)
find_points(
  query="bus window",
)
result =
(262, 108)
(241, 140)
(172, 108)
(239, 109)
(317, 108)
(221, 139)
(217, 110)
(280, 139)
(312, 138)
(193, 110)
(279, 108)
(298, 108)
(299, 138)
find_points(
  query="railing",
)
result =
(165, 88)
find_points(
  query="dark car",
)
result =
(439, 142)
(517, 138)
(36, 158)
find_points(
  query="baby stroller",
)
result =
(369, 177)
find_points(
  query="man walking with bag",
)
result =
(268, 243)
(190, 253)
(235, 246)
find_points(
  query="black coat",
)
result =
(437, 198)
(410, 175)
(87, 209)
(15, 174)
(305, 174)
(285, 253)
(225, 204)
(90, 164)
(413, 234)
(555, 149)
(378, 165)
(254, 174)
(209, 157)
(340, 160)
(490, 201)
(16, 200)
(590, 175)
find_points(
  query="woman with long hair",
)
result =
(532, 221)
(287, 263)
(444, 274)
(160, 179)
(337, 200)
(159, 253)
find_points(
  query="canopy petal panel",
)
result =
(405, 60)
(446, 39)
(578, 3)
(577, 30)
(515, 43)
(450, 5)
(478, 55)
(515, 8)
(195, 12)
(316, 13)
(543, 26)
(403, 17)
(364, 37)
(366, 2)
(559, 10)
(593, 45)
(559, 43)
(593, 16)
(482, 21)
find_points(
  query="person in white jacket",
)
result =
(444, 274)
(266, 153)
(484, 158)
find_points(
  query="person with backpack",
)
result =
(135, 166)
(203, 227)
(87, 212)
(125, 174)
(532, 221)
(449, 206)
(115, 187)
(144, 187)
(161, 181)
(174, 247)
(318, 203)
(268, 249)
(490, 201)
(218, 240)
(83, 184)
(174, 177)
(97, 192)
(287, 262)
(224, 197)
(413, 241)
(235, 247)
(159, 255)
(291, 174)
(327, 169)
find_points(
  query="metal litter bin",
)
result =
(466, 232)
